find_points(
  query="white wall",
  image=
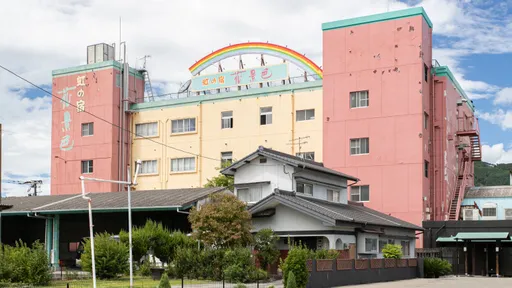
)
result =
(287, 219)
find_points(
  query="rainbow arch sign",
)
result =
(258, 48)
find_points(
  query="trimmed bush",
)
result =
(326, 254)
(392, 251)
(291, 281)
(111, 257)
(296, 263)
(435, 267)
(24, 264)
(164, 282)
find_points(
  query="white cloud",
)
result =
(496, 154)
(54, 34)
(498, 117)
(504, 96)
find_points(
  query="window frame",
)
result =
(141, 172)
(359, 146)
(89, 168)
(183, 171)
(425, 120)
(223, 155)
(305, 116)
(332, 198)
(374, 242)
(358, 99)
(183, 121)
(89, 125)
(359, 193)
(266, 115)
(304, 189)
(138, 135)
(425, 72)
(426, 167)
(406, 249)
(229, 120)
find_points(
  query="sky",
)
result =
(473, 38)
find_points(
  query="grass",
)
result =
(138, 282)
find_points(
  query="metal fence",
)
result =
(147, 283)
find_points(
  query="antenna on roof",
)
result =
(299, 141)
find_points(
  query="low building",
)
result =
(487, 203)
(303, 201)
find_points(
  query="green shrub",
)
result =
(164, 282)
(111, 256)
(271, 286)
(291, 281)
(392, 251)
(435, 267)
(23, 264)
(326, 254)
(265, 242)
(145, 269)
(212, 264)
(296, 263)
(240, 285)
(187, 262)
(240, 266)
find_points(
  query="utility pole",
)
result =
(1, 132)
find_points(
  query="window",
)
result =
(73, 246)
(306, 155)
(148, 167)
(359, 99)
(303, 115)
(333, 195)
(489, 211)
(360, 193)
(425, 167)
(425, 120)
(391, 241)
(305, 188)
(382, 243)
(370, 244)
(265, 115)
(252, 194)
(405, 247)
(183, 164)
(146, 129)
(87, 166)
(227, 120)
(183, 125)
(359, 146)
(425, 72)
(87, 129)
(226, 158)
(263, 160)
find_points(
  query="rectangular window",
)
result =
(370, 244)
(252, 194)
(425, 120)
(306, 155)
(359, 146)
(226, 158)
(148, 167)
(227, 120)
(87, 129)
(333, 195)
(183, 164)
(425, 71)
(405, 248)
(303, 115)
(360, 193)
(87, 166)
(425, 167)
(391, 241)
(183, 125)
(489, 212)
(146, 129)
(359, 99)
(265, 115)
(382, 243)
(305, 188)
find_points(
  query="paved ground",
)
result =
(449, 282)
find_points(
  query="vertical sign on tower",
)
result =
(66, 143)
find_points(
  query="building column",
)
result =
(48, 240)
(466, 258)
(56, 231)
(497, 258)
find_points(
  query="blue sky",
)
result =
(474, 38)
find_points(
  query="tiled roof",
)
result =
(489, 192)
(294, 160)
(151, 199)
(340, 212)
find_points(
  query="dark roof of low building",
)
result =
(335, 211)
(489, 192)
(110, 201)
(287, 158)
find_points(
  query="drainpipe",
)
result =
(165, 156)
(181, 212)
(293, 122)
(201, 144)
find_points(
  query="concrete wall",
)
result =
(244, 138)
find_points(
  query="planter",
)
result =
(156, 272)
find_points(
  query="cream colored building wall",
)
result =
(244, 138)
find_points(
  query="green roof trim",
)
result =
(94, 67)
(447, 240)
(258, 92)
(483, 236)
(411, 12)
(445, 71)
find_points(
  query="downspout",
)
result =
(432, 145)
(125, 108)
(181, 212)
(201, 144)
(293, 122)
(165, 155)
(162, 160)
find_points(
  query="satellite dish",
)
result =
(185, 86)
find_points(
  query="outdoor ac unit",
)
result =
(508, 214)
(471, 215)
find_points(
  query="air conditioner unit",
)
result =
(508, 214)
(471, 215)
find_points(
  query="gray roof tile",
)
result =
(489, 192)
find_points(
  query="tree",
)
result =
(164, 281)
(111, 256)
(296, 262)
(222, 180)
(224, 222)
(392, 251)
(265, 242)
(492, 175)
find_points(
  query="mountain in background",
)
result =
(492, 175)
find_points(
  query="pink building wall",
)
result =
(100, 97)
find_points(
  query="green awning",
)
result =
(482, 236)
(447, 239)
